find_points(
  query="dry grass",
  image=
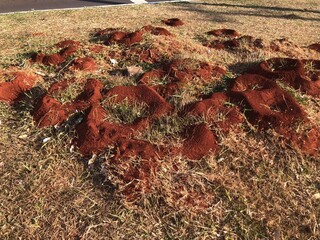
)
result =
(256, 188)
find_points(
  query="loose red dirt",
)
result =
(21, 82)
(85, 64)
(224, 33)
(253, 98)
(68, 48)
(303, 75)
(315, 46)
(173, 22)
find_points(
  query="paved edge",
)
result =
(92, 7)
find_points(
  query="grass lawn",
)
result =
(257, 186)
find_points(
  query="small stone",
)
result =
(316, 196)
(134, 70)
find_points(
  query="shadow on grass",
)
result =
(261, 7)
(256, 11)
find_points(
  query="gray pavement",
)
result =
(7, 6)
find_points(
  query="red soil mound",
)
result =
(234, 40)
(95, 134)
(12, 91)
(308, 142)
(224, 33)
(173, 22)
(269, 104)
(85, 64)
(215, 110)
(51, 59)
(156, 30)
(146, 55)
(300, 74)
(129, 38)
(279, 44)
(315, 46)
(235, 43)
(179, 72)
(127, 148)
(49, 111)
(157, 105)
(68, 51)
(200, 140)
(126, 38)
(135, 162)
(91, 94)
(96, 48)
(103, 32)
(69, 48)
(60, 86)
(137, 174)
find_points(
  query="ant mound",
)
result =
(156, 30)
(148, 55)
(231, 40)
(96, 48)
(269, 105)
(127, 148)
(114, 36)
(180, 72)
(126, 38)
(95, 134)
(278, 44)
(173, 22)
(49, 111)
(85, 64)
(235, 43)
(200, 140)
(291, 49)
(12, 91)
(67, 43)
(300, 74)
(69, 47)
(134, 165)
(51, 59)
(308, 142)
(91, 94)
(224, 33)
(216, 110)
(157, 105)
(315, 46)
(68, 51)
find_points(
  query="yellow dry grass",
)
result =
(256, 188)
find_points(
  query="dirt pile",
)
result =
(67, 48)
(268, 104)
(156, 30)
(85, 64)
(173, 22)
(200, 140)
(217, 110)
(224, 33)
(20, 82)
(157, 105)
(303, 75)
(115, 36)
(179, 72)
(315, 46)
(49, 111)
(252, 101)
(231, 40)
